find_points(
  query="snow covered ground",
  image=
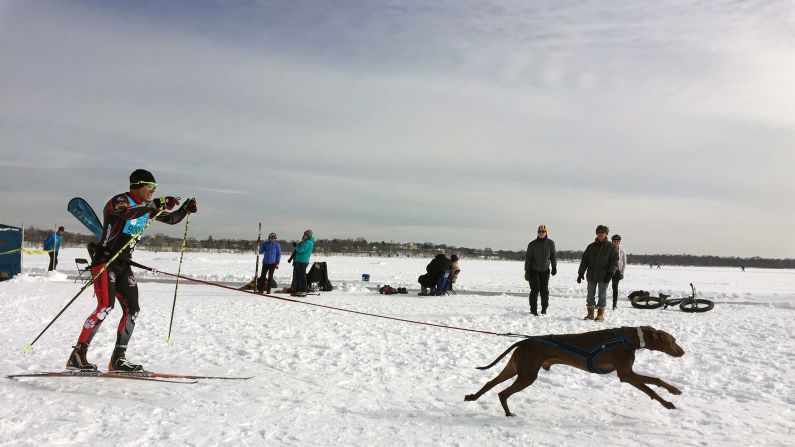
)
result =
(325, 377)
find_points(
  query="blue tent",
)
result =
(10, 240)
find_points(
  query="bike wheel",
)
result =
(696, 305)
(646, 302)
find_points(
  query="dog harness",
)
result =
(590, 355)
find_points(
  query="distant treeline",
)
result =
(362, 247)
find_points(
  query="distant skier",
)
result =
(53, 245)
(124, 217)
(271, 252)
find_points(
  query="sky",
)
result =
(467, 123)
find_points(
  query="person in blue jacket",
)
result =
(303, 251)
(271, 252)
(53, 244)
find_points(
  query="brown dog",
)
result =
(601, 352)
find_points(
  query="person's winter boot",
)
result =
(600, 314)
(543, 310)
(590, 313)
(615, 303)
(77, 359)
(118, 362)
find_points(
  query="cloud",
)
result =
(446, 121)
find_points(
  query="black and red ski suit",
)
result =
(125, 215)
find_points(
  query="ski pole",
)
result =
(256, 267)
(179, 270)
(29, 346)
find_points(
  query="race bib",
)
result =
(135, 226)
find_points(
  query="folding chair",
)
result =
(82, 270)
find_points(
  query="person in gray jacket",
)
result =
(600, 260)
(622, 264)
(539, 263)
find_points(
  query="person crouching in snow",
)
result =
(455, 269)
(433, 270)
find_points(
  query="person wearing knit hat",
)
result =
(52, 243)
(622, 264)
(141, 177)
(540, 262)
(125, 216)
(599, 262)
(303, 251)
(271, 251)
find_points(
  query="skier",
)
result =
(124, 217)
(271, 252)
(53, 245)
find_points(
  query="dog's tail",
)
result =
(501, 355)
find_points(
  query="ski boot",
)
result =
(118, 363)
(77, 359)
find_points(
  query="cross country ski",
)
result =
(144, 375)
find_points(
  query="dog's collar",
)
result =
(641, 341)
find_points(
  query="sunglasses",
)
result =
(150, 185)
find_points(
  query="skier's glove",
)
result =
(619, 276)
(527, 276)
(190, 206)
(167, 202)
(579, 279)
(554, 270)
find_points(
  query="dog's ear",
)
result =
(653, 333)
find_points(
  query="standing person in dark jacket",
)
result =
(53, 245)
(302, 252)
(271, 252)
(433, 270)
(538, 262)
(125, 217)
(600, 260)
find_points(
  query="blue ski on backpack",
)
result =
(85, 214)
